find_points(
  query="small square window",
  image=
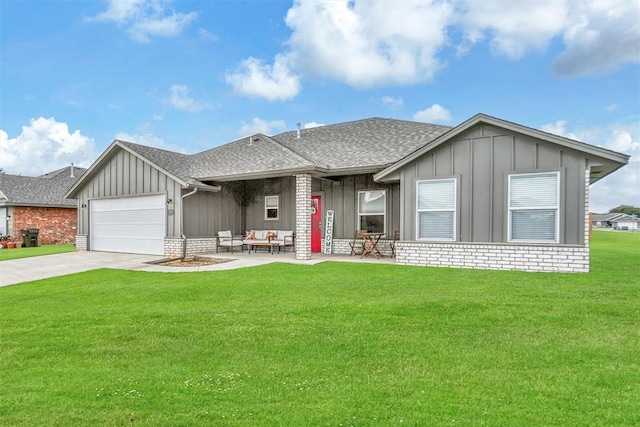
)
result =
(271, 207)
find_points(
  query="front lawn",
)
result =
(15, 253)
(332, 344)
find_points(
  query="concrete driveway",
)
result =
(41, 267)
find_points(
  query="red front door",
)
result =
(316, 224)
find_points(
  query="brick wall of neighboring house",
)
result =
(57, 225)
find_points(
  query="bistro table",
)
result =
(371, 244)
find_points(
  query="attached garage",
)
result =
(128, 224)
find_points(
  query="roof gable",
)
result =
(609, 160)
(177, 166)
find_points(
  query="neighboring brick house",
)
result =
(38, 202)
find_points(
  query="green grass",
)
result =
(15, 253)
(333, 344)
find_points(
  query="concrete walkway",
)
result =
(42, 267)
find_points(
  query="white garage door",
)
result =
(130, 224)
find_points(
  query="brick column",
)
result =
(303, 216)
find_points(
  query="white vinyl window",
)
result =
(271, 207)
(372, 210)
(436, 209)
(534, 207)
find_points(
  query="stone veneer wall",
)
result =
(195, 246)
(81, 242)
(570, 259)
(303, 216)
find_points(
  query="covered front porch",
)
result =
(299, 203)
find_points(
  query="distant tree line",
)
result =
(629, 210)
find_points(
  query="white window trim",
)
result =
(556, 207)
(277, 208)
(454, 210)
(384, 213)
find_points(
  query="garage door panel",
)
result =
(130, 225)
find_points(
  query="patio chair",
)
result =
(396, 237)
(357, 246)
(227, 240)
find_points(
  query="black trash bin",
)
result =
(30, 237)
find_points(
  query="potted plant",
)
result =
(4, 240)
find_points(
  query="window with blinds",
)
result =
(271, 207)
(436, 208)
(372, 210)
(534, 207)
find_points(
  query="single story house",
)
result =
(28, 202)
(487, 193)
(617, 221)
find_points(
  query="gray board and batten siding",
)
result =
(481, 159)
(206, 212)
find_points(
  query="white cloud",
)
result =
(612, 107)
(367, 44)
(600, 37)
(312, 125)
(157, 117)
(274, 82)
(621, 187)
(434, 114)
(258, 125)
(514, 27)
(376, 43)
(180, 100)
(120, 11)
(43, 146)
(392, 102)
(145, 18)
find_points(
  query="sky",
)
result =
(191, 75)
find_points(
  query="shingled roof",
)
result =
(360, 146)
(249, 157)
(46, 190)
(370, 143)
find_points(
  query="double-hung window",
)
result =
(534, 207)
(271, 207)
(436, 209)
(372, 210)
